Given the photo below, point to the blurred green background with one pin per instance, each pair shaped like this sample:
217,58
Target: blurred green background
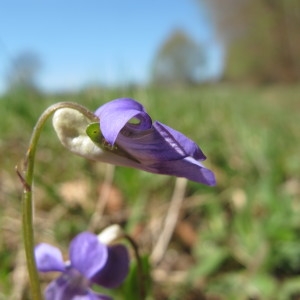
238,240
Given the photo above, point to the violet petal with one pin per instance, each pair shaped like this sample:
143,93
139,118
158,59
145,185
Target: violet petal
63,289
155,147
115,114
163,150
116,268
188,168
179,140
150,145
48,258
87,254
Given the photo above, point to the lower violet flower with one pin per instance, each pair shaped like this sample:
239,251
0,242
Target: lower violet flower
91,262
126,136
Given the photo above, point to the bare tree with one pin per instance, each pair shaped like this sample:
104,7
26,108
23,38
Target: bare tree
178,61
23,72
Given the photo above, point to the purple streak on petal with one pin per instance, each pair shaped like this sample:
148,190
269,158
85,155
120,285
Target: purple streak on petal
48,258
115,114
179,141
148,146
156,145
116,269
63,288
87,254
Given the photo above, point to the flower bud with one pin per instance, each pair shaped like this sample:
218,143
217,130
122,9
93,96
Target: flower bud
111,234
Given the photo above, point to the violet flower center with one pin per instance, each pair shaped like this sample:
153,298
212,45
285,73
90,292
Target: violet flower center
76,280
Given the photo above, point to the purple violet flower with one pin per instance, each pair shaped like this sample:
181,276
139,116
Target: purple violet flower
150,146
91,262
128,137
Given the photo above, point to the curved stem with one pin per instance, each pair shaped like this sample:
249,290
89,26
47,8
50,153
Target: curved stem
26,178
141,274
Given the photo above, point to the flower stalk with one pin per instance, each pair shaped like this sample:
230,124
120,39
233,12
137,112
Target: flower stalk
141,274
26,177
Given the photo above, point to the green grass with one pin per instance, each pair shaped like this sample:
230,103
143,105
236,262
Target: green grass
247,228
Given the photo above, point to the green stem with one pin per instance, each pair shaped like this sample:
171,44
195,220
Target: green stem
26,178
141,274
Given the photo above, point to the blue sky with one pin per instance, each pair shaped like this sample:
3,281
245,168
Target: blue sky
81,42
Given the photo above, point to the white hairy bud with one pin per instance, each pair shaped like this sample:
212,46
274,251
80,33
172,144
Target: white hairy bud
111,234
70,126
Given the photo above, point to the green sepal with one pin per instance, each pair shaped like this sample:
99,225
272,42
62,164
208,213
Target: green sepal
94,133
